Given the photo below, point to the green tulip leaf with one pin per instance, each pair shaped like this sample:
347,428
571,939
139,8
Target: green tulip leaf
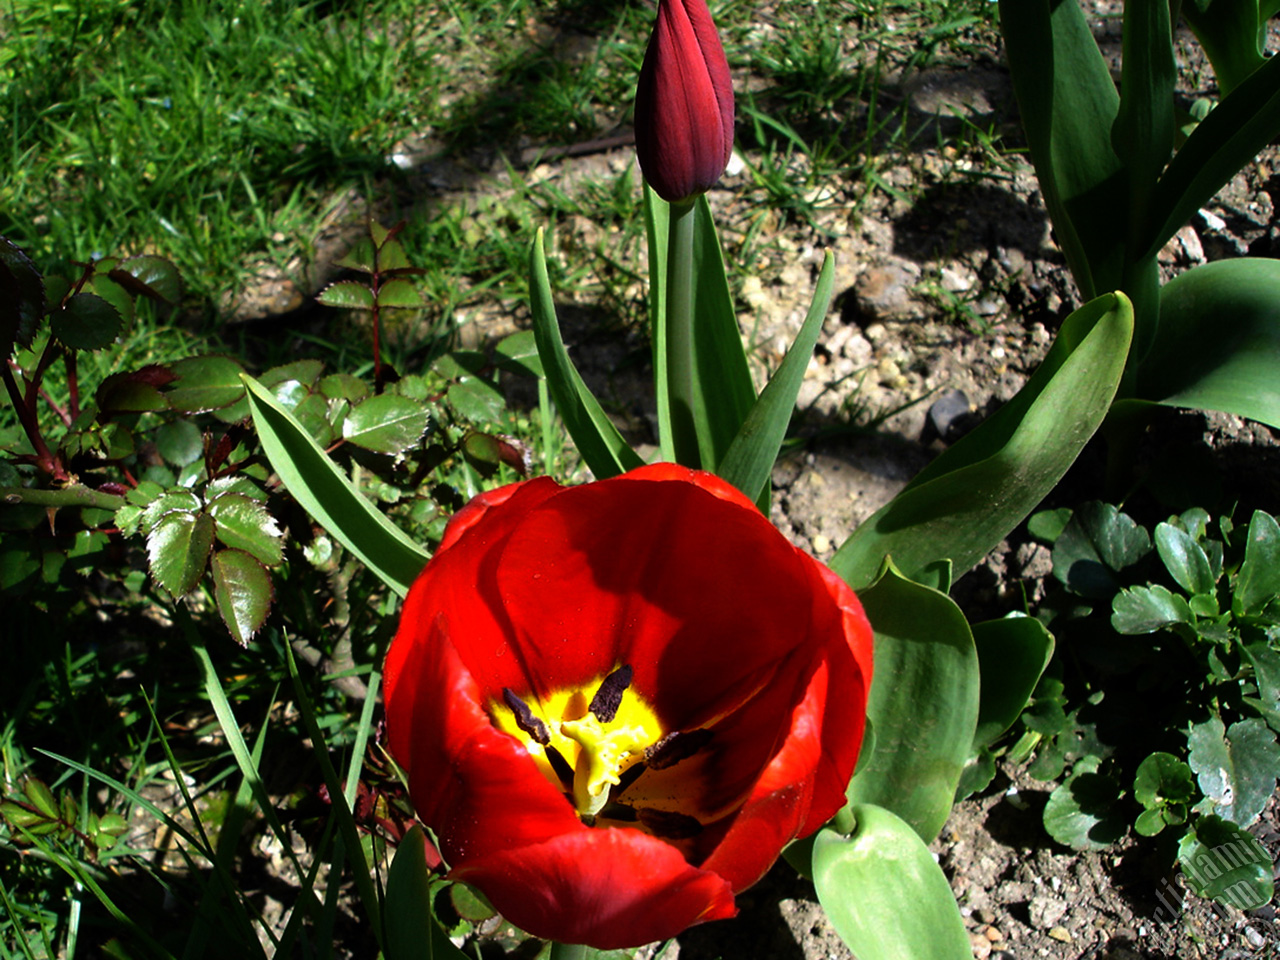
1222,862
1259,578
884,893
748,463
1144,128
969,498
1083,811
386,423
606,453
243,592
178,549
1218,344
1235,767
923,702
1229,31
205,383
411,932
320,487
1012,655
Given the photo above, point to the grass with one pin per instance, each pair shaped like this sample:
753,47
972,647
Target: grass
224,134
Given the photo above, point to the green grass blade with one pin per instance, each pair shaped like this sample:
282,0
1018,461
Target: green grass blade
338,801
316,482
598,440
1020,452
749,461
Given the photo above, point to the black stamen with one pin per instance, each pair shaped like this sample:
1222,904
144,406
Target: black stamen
525,720
668,824
629,776
618,811
675,747
560,765
604,705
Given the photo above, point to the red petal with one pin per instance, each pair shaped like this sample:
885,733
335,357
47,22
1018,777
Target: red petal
608,888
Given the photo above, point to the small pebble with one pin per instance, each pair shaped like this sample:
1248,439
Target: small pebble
1060,933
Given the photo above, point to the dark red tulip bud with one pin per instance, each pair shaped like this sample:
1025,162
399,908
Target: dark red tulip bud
684,103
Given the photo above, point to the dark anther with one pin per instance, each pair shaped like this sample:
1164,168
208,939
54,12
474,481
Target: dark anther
604,705
618,811
675,747
665,823
560,765
629,776
525,720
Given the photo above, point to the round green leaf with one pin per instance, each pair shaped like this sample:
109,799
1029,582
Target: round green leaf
1082,811
242,589
386,423
178,549
244,524
1222,862
205,383
1184,559
87,322
1163,778
180,442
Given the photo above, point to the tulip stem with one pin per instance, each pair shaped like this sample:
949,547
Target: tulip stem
568,951
680,333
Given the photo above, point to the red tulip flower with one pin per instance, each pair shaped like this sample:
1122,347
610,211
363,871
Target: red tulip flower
617,702
684,103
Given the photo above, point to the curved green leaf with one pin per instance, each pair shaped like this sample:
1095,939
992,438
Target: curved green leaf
748,463
1229,31
969,498
322,490
1012,654
598,440
923,702
885,894
1218,343
412,932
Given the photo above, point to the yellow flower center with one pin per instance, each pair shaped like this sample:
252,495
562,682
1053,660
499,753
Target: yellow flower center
584,740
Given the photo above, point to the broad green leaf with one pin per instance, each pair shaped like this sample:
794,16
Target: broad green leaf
386,423
1068,104
319,486
242,589
1184,559
22,299
748,463
1148,609
923,702
969,498
1259,578
412,932
180,442
399,292
597,439
149,276
244,524
1222,862
1221,145
1083,812
1012,655
1236,768
205,383
1098,542
347,295
1218,344
884,893
87,322
178,549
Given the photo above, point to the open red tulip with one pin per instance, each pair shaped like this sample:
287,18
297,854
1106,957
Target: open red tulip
684,103
617,702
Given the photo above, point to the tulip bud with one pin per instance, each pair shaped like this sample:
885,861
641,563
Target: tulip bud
684,103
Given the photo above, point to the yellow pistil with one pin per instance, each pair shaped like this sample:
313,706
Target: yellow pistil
582,740
604,751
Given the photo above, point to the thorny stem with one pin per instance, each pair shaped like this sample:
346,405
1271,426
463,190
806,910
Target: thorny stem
73,386
342,660
77,495
377,339
25,408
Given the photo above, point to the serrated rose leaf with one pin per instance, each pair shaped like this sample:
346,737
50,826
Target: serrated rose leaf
178,549
122,393
242,589
150,276
205,383
347,295
22,298
399,293
244,524
386,424
166,502
87,322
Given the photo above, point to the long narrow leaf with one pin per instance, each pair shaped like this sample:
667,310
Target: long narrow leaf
969,498
1223,143
598,440
657,218
316,482
748,463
